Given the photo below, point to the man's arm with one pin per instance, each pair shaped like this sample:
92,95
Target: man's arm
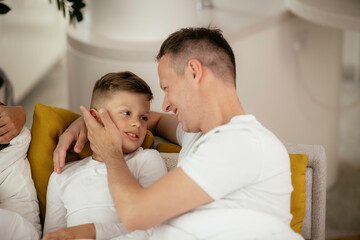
12,120
164,125
173,194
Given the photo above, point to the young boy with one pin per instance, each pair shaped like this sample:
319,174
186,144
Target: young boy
80,194
19,209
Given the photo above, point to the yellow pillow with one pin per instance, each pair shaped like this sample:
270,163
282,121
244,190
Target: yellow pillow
168,147
298,163
48,124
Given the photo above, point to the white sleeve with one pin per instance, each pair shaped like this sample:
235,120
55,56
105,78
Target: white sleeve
55,209
16,150
151,169
106,231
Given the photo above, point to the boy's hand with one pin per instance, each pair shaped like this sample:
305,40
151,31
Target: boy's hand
105,140
76,132
12,120
87,231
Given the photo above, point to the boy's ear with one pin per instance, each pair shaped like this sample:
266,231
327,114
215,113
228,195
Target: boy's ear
95,114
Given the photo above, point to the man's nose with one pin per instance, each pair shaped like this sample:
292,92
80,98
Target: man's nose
166,106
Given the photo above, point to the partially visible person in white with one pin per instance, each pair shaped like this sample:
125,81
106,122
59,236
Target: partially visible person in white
79,204
19,209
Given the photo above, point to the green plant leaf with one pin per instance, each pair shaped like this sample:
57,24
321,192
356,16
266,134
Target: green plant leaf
63,9
59,4
4,8
79,16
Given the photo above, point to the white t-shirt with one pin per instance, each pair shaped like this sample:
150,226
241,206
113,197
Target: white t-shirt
240,165
80,194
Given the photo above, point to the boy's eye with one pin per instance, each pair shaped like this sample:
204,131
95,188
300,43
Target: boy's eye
144,118
126,113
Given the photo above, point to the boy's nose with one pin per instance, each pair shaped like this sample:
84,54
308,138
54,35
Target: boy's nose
135,122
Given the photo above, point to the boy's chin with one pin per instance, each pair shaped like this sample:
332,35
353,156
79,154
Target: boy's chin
130,149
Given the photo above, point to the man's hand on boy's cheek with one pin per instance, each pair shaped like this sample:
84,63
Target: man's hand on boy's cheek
104,139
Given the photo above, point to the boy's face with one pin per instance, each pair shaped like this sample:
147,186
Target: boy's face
130,112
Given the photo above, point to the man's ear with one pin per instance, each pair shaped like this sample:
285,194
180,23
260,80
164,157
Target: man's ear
195,69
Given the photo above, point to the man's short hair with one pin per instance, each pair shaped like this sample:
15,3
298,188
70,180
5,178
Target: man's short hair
205,44
119,81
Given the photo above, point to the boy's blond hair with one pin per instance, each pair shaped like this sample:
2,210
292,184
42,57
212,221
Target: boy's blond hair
120,81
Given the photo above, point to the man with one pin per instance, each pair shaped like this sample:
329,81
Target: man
233,177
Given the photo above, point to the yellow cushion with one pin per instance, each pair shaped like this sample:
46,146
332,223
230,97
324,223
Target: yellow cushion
48,124
298,163
168,148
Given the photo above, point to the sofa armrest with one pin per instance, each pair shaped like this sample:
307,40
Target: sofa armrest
314,219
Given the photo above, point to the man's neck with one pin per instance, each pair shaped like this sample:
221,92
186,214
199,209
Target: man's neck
222,109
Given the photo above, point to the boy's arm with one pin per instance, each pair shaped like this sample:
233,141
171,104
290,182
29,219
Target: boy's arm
161,124
89,231
164,125
85,231
77,133
55,209
12,120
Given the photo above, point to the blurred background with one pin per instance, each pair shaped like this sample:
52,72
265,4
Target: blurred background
298,67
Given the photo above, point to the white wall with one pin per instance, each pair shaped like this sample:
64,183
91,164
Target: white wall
32,41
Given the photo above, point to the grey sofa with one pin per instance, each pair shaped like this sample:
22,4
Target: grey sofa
314,219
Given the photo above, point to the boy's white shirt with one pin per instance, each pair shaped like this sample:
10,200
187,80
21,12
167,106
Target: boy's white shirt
17,190
80,194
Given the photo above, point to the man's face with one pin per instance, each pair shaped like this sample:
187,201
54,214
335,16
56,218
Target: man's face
179,95
130,112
